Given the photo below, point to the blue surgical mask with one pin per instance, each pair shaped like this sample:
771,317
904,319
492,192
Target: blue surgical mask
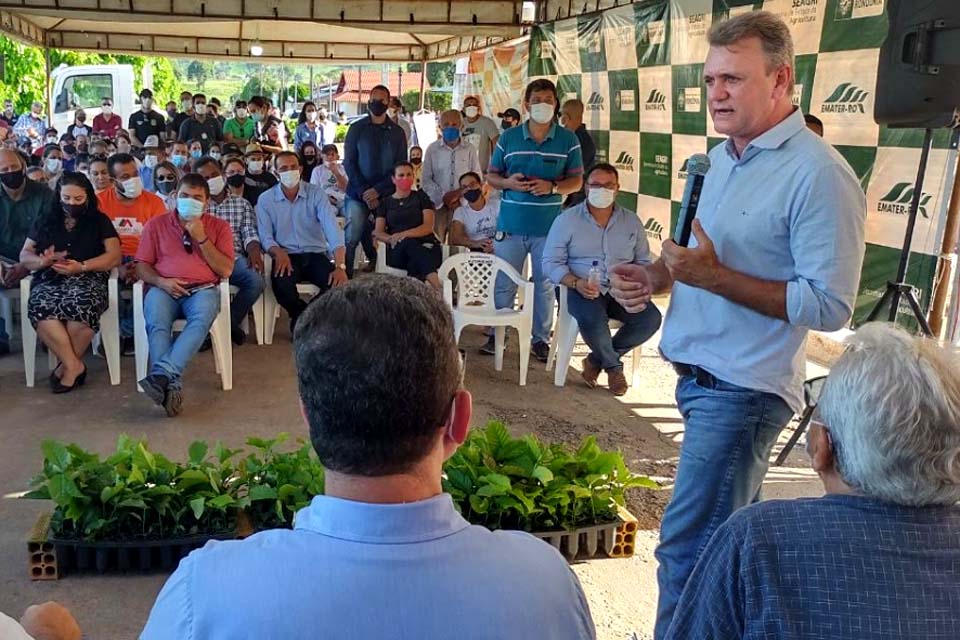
188,208
451,134
195,154
178,159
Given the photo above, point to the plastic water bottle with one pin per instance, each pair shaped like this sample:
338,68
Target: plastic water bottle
593,278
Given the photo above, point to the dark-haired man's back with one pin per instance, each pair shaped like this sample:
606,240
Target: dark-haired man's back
359,570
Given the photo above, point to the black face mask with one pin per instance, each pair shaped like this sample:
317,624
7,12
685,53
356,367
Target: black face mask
13,179
70,150
505,124
416,161
236,180
74,210
309,159
377,107
471,195
166,187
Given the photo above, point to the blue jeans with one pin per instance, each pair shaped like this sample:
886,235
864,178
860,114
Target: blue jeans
514,249
249,284
169,357
357,231
729,432
594,317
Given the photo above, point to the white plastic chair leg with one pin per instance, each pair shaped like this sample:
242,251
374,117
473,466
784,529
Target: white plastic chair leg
635,366
220,332
499,335
567,340
258,315
524,330
140,343
6,312
109,334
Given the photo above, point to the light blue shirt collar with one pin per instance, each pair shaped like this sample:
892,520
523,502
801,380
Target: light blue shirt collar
280,196
772,138
412,522
617,213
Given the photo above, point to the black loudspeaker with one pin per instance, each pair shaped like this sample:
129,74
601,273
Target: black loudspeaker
918,78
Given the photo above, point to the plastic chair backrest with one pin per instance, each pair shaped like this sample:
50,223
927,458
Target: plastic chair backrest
477,278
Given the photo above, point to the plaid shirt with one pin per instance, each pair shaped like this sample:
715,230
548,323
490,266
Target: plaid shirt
243,221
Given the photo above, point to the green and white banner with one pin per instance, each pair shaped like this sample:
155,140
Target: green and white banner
639,71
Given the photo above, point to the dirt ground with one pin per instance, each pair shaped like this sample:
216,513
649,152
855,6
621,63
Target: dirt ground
644,424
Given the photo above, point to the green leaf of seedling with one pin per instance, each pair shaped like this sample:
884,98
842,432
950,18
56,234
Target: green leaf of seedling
132,503
62,488
543,474
490,490
221,502
262,492
143,458
197,452
497,479
197,505
56,454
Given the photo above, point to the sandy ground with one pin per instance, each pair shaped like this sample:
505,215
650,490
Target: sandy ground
644,424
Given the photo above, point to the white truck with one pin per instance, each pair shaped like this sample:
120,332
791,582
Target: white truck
85,86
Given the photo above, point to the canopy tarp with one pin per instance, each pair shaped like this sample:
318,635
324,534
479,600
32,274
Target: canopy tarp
288,30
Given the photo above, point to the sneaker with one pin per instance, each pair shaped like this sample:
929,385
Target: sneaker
128,347
590,372
238,336
173,401
617,382
489,347
540,350
155,386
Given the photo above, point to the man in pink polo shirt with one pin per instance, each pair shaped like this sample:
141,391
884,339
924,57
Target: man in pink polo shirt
182,256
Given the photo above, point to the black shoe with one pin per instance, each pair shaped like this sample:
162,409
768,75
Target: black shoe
489,347
54,378
540,350
207,344
173,401
238,336
59,387
155,386
128,347
4,348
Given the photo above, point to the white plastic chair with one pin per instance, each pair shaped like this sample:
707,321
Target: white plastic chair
565,339
219,335
476,280
382,266
109,334
271,308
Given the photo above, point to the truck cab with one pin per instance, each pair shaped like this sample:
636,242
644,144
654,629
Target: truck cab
85,86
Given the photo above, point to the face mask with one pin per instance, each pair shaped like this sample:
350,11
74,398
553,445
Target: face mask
542,112
416,161
13,179
70,150
150,161
471,111
215,155
471,195
505,124
377,108
178,159
189,209
106,110
216,185
257,116
147,103
195,154
172,113
186,104
236,180
601,198
290,179
451,134
51,139
403,184
311,116
309,159
241,113
53,165
81,119
131,188
74,210
255,166
200,109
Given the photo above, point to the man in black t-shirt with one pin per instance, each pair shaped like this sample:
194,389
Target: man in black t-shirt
259,178
146,122
201,126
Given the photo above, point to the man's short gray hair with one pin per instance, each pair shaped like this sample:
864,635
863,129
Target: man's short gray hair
774,35
892,407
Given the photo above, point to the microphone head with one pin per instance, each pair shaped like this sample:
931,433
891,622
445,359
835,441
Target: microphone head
698,164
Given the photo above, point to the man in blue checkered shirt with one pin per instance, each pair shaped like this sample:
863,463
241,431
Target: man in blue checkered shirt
876,558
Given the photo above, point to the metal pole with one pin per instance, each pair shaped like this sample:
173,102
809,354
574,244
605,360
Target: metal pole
423,82
48,89
948,253
359,89
311,83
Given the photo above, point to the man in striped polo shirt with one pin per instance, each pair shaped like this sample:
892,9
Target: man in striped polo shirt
535,165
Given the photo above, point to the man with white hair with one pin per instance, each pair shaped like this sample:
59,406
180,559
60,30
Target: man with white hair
776,251
879,555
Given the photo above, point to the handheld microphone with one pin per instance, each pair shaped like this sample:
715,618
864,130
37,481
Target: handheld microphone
697,167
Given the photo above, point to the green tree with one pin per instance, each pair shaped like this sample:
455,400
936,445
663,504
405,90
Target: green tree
200,71
254,88
24,74
435,101
440,74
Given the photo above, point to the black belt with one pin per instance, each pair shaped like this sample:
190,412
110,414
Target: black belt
704,377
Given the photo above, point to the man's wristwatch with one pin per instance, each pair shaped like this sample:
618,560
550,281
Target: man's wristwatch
554,190
342,266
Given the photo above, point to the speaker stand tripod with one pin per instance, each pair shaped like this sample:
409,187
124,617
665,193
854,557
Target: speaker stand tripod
900,289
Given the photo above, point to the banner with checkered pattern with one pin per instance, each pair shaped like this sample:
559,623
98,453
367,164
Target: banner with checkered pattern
639,71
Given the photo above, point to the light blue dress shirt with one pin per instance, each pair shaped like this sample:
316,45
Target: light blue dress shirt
576,240
789,208
353,570
306,225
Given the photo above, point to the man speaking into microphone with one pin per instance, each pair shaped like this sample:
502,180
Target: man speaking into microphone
776,251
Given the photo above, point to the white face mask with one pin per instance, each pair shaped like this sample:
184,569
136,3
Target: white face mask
601,198
54,165
542,112
215,155
150,161
200,109
471,111
132,188
241,113
216,185
255,166
106,110
185,105
290,179
311,116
